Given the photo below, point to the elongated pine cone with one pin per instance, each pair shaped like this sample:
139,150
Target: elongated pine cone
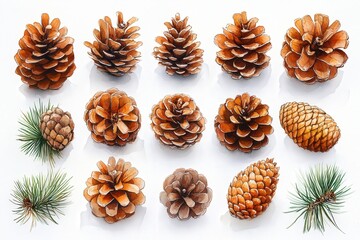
312,51
114,50
57,127
309,126
243,47
243,123
177,121
178,51
114,191
186,194
253,189
112,117
45,58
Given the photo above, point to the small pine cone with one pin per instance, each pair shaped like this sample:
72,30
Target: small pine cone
45,58
114,191
243,48
243,123
309,126
186,194
114,50
311,51
112,117
253,189
177,121
178,51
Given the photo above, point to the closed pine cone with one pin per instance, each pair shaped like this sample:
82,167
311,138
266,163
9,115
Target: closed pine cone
177,121
243,123
186,194
45,58
112,117
312,51
178,51
114,191
243,47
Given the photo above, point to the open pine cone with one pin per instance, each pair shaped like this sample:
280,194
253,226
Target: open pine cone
243,47
114,50
178,51
45,58
312,51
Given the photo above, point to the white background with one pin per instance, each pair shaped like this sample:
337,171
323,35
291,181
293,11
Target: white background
339,97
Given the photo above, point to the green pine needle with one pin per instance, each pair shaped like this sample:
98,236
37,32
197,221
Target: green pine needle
40,198
320,195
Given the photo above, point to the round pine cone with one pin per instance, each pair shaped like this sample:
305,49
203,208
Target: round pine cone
114,191
45,58
177,121
243,123
112,117
311,51
114,50
178,51
243,47
186,194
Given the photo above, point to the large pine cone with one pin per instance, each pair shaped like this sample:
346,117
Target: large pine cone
309,126
243,47
178,51
112,117
114,191
253,189
186,194
243,123
177,121
311,51
45,58
114,50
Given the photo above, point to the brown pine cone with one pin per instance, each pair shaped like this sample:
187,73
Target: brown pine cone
114,50
45,58
311,51
243,47
177,121
112,117
186,194
243,123
178,51
114,191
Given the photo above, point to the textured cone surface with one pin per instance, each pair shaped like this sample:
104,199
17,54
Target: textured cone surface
112,117
114,191
114,50
253,189
45,58
178,51
177,121
186,194
312,49
309,127
243,123
57,127
243,47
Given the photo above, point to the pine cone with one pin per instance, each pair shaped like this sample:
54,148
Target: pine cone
186,194
112,117
311,51
114,191
243,47
177,121
243,123
253,189
309,126
178,51
114,50
45,58
57,127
